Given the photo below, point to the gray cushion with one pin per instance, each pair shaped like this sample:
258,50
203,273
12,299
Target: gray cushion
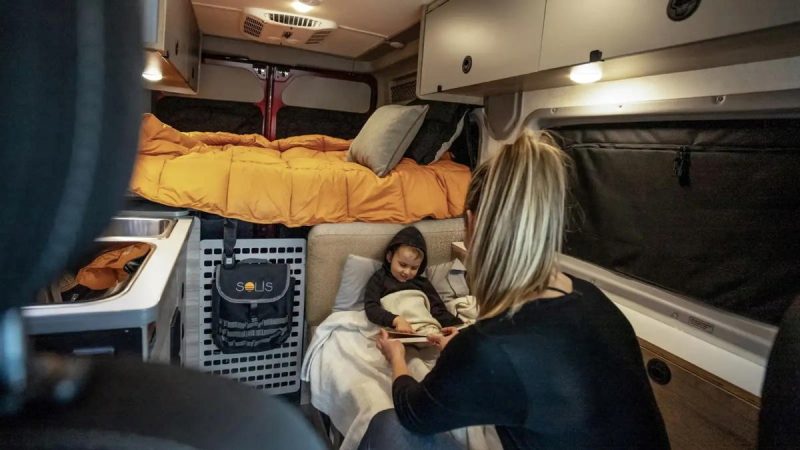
355,274
385,137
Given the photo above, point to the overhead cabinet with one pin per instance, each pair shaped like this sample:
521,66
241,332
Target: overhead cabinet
476,47
172,43
465,42
573,28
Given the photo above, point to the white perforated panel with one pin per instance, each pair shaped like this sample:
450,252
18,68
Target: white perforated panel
275,371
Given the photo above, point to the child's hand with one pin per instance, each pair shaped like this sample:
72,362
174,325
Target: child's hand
392,350
440,341
400,324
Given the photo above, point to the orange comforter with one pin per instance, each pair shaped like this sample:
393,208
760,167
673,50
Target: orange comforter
302,180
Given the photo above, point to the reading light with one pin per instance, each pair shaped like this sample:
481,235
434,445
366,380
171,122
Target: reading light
394,44
586,73
589,72
301,7
152,75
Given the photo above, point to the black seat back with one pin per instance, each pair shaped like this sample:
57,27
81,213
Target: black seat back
779,421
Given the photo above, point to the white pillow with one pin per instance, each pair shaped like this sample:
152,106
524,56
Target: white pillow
449,279
385,137
356,272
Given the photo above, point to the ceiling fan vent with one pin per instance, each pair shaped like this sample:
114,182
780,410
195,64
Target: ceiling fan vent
277,27
294,21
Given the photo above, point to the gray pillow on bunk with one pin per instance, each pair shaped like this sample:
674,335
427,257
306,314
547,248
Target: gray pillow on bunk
356,273
385,137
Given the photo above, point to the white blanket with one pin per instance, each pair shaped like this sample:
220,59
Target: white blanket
351,381
414,306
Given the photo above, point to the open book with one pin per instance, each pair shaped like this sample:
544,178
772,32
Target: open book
413,338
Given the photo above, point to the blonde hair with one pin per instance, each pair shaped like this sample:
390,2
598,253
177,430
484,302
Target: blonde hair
518,201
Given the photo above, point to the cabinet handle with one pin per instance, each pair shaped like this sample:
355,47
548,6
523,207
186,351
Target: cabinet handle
177,47
678,10
659,371
466,64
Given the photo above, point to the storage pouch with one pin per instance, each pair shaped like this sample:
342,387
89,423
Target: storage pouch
252,304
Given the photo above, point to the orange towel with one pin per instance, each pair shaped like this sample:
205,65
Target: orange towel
106,270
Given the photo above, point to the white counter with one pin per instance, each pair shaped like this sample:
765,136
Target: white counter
135,307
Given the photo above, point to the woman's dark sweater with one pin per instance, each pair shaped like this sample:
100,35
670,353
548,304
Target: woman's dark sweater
564,372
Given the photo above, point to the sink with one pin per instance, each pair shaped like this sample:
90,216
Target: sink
51,295
141,227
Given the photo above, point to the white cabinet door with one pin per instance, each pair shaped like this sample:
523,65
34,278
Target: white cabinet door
182,40
573,28
172,42
502,38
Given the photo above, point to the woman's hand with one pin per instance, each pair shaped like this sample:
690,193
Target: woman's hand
394,351
440,341
400,324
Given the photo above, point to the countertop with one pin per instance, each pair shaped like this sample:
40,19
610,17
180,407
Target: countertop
140,207
135,307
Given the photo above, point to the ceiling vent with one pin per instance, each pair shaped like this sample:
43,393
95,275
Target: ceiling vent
293,20
275,27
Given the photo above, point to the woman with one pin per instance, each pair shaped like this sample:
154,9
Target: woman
551,361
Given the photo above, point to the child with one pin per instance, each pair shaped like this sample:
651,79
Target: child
405,261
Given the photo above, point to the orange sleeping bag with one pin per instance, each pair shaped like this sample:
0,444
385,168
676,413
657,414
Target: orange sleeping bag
296,181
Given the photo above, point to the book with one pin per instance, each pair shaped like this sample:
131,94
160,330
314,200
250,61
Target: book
407,338
413,338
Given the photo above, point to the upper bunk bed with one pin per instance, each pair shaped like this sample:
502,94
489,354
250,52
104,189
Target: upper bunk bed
302,180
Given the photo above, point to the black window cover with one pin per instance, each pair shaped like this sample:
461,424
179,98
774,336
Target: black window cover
725,231
195,114
296,121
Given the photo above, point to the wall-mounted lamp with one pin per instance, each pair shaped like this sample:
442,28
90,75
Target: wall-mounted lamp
589,72
394,44
152,74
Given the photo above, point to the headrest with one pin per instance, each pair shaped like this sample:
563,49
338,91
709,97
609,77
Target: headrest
70,107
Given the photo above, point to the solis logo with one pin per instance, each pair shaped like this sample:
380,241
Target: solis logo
250,286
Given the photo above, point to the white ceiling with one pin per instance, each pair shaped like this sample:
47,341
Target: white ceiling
381,17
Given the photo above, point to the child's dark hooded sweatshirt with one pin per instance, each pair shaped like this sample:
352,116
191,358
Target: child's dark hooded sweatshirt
383,283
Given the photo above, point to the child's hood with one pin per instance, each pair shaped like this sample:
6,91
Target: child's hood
412,237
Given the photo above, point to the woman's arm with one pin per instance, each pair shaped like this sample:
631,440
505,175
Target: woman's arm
394,352
473,383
